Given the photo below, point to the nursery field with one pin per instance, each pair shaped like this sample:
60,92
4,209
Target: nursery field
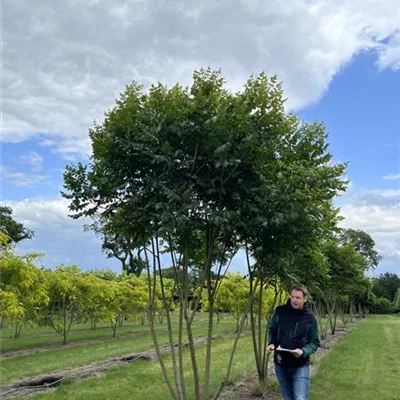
364,364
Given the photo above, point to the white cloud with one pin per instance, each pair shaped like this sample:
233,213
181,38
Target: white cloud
389,55
61,238
63,65
33,159
21,179
379,215
392,177
386,193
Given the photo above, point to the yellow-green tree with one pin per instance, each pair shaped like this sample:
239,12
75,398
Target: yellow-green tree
23,288
97,293
232,296
10,308
67,293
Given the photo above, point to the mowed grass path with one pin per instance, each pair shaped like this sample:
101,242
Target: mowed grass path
364,365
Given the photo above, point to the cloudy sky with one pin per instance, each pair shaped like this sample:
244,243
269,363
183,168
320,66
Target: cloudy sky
64,63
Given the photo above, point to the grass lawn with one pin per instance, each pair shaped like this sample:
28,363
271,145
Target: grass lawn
63,358
44,336
144,380
364,365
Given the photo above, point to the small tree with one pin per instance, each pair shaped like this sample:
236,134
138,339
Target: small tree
10,308
23,289
97,293
232,297
67,292
346,274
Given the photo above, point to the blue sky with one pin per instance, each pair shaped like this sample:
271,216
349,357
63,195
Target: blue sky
361,111
339,67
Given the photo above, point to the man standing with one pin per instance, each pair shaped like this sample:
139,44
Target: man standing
294,328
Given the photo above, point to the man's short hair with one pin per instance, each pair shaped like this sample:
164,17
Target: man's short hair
300,288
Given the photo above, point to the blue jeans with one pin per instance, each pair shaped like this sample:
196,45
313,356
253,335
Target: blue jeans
294,382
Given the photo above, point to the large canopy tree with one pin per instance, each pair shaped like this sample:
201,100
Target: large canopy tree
197,173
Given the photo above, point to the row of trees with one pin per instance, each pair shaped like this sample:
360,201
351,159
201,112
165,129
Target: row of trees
64,296
186,178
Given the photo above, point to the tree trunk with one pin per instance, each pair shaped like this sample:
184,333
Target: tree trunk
151,283
230,362
332,316
351,311
323,328
266,336
157,263
253,332
333,325
259,317
115,324
65,321
360,310
144,318
207,373
17,332
210,240
160,317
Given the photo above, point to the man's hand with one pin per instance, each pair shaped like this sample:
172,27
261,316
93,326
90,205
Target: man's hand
271,348
298,353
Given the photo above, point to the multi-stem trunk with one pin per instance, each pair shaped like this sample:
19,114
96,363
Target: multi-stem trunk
157,263
151,281
252,319
230,361
182,284
260,346
332,316
207,372
210,239
270,312
318,310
